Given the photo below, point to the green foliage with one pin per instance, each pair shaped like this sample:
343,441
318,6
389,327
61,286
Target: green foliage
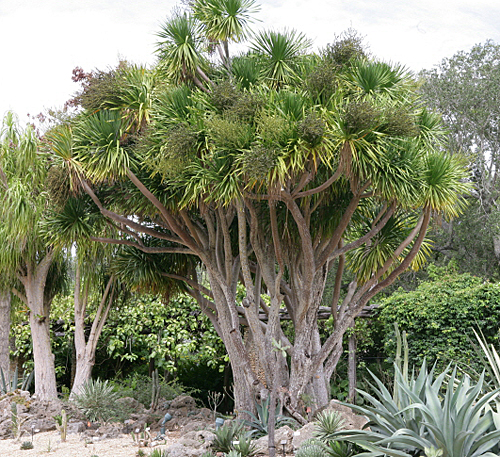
327,423
26,445
346,47
172,335
312,448
432,413
158,453
463,89
15,383
225,436
259,423
97,400
438,317
245,446
140,388
233,453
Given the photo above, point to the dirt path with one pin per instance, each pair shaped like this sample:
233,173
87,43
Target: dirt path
49,444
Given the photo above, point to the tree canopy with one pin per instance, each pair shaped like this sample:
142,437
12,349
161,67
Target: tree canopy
268,172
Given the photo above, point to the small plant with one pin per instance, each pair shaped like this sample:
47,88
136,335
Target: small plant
155,390
233,453
26,445
62,424
214,400
16,422
259,423
312,448
207,454
159,453
97,400
15,383
245,447
140,453
328,422
225,436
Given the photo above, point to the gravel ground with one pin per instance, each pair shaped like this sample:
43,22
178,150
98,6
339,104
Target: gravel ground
49,444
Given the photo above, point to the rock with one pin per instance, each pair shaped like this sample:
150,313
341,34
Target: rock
76,426
205,437
183,401
352,421
109,431
179,450
303,434
284,433
193,426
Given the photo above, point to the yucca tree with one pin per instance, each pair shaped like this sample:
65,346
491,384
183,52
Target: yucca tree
71,226
268,185
27,259
179,51
223,21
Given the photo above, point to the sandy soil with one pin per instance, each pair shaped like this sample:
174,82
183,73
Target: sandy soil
49,444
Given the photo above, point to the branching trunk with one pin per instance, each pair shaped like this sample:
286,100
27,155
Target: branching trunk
85,350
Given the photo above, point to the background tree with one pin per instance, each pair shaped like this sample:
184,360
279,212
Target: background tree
465,88
25,255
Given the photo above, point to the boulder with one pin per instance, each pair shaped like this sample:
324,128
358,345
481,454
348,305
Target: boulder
281,434
76,426
352,421
178,449
303,434
183,401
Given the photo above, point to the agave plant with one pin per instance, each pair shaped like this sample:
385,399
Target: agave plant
97,400
15,383
456,423
225,436
259,424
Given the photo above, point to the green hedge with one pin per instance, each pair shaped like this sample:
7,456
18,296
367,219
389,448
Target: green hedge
439,316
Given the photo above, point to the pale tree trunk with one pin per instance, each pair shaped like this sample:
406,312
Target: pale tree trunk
39,318
352,366
85,350
5,303
45,374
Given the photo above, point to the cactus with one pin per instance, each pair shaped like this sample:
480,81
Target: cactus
398,362
62,424
155,390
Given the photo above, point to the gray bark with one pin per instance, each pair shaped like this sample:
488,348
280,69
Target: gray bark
39,318
5,304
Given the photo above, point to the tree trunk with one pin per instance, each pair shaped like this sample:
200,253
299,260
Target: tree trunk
84,366
45,374
39,317
351,375
85,349
5,301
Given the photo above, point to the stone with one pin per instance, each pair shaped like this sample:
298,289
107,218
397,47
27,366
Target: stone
352,421
284,433
303,434
179,450
76,427
183,401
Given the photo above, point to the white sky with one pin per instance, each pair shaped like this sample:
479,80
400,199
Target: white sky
41,41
